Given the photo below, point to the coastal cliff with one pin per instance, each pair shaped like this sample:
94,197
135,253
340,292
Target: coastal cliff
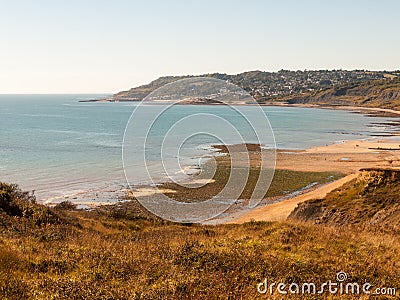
377,93
372,199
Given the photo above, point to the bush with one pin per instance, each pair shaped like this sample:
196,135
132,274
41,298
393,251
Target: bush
11,198
16,203
65,205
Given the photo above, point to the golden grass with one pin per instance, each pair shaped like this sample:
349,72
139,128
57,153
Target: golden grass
122,253
105,258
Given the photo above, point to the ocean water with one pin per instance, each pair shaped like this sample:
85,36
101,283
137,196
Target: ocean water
60,147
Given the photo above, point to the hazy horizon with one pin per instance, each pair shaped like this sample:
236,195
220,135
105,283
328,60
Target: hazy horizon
103,47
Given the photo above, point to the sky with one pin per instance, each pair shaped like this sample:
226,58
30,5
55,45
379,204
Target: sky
105,46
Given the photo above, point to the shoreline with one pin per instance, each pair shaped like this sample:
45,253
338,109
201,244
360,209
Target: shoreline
377,111
319,158
345,157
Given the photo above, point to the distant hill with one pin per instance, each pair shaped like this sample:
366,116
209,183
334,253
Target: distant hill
271,84
323,87
372,199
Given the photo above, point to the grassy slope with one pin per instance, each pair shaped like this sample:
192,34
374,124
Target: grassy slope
109,259
371,199
91,255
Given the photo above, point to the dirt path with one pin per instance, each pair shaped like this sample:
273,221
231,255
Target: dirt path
281,210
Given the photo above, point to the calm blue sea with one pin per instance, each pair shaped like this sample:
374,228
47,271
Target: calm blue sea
58,146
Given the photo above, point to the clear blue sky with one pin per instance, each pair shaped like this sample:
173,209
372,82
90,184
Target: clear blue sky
57,46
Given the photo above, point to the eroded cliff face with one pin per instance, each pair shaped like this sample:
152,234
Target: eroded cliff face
373,198
380,93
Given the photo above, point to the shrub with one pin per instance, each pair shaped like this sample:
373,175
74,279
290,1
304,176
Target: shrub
65,205
16,203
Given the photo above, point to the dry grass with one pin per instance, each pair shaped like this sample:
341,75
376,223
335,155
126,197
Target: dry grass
103,255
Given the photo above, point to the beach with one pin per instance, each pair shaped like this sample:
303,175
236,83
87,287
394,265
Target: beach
303,174
66,150
300,175
347,158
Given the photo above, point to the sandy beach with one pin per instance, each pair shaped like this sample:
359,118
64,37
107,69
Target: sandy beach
347,157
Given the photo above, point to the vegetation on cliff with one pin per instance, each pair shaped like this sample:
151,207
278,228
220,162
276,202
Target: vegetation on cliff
378,93
18,207
371,200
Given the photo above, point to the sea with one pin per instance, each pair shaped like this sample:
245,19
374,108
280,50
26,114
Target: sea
62,148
